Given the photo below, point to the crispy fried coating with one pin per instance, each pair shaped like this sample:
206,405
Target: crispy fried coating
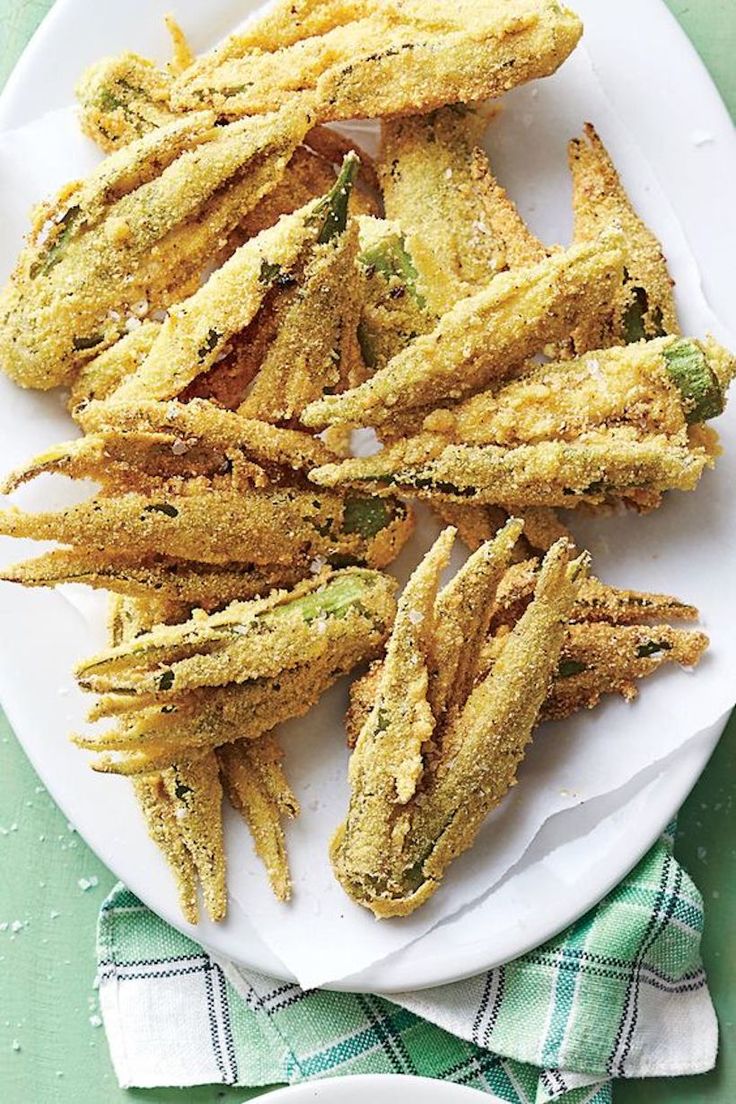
448,238
553,473
309,175
333,146
132,446
163,500
306,260
156,730
182,806
644,306
393,313
596,601
159,814
600,659
316,348
622,423
122,98
100,377
195,792
133,237
609,644
380,57
218,430
247,640
422,778
208,586
461,227
477,524
159,725
223,525
183,55
481,338
182,800
256,786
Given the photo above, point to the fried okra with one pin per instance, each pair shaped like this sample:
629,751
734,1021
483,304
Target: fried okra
177,691
439,748
182,803
134,237
300,271
480,339
393,311
197,504
610,644
622,424
461,228
644,307
123,98
374,58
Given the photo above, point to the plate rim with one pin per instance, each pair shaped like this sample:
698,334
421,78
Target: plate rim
375,977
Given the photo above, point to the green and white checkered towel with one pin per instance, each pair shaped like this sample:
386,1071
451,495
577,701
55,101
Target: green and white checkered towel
622,993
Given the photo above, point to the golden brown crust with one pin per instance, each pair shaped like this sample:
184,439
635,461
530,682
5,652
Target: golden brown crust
480,338
435,752
379,57
645,304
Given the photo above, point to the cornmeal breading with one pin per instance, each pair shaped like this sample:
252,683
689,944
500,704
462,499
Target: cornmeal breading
134,237
618,424
371,58
481,338
436,754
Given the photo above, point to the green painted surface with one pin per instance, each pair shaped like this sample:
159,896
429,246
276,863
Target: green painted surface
52,1048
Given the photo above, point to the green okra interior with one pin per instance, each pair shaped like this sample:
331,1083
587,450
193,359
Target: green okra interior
391,258
698,384
332,209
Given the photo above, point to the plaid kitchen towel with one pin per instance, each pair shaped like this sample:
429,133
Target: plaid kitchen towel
622,993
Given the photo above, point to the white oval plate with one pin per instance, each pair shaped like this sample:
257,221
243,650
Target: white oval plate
388,1088
570,866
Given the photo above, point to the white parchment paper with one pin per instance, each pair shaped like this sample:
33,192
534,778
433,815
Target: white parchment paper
683,548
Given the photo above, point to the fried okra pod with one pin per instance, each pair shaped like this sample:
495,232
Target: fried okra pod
134,237
434,756
393,312
221,525
255,785
380,57
609,644
480,339
182,806
122,98
644,307
301,269
300,643
182,803
190,484
207,586
461,228
620,424
247,640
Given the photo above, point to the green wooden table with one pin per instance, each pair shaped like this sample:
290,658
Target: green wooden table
52,1045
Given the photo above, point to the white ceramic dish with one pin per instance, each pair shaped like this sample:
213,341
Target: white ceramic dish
692,149
388,1088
